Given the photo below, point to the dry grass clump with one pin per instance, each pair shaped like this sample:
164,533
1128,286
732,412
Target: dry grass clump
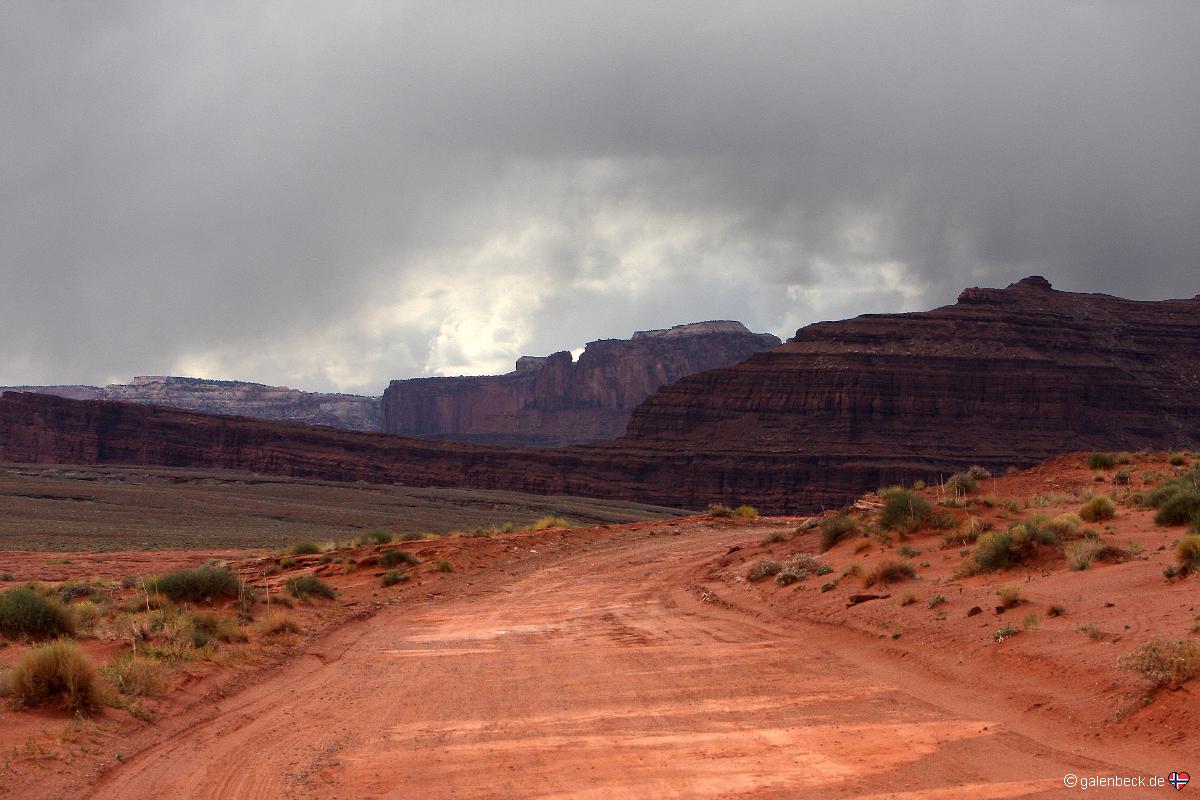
1009,595
1004,549
1081,554
305,586
207,626
836,528
763,569
1064,526
1168,664
747,512
197,585
798,568
1187,553
26,613
890,571
903,510
376,536
720,510
58,671
545,523
277,623
1098,509
1101,461
136,677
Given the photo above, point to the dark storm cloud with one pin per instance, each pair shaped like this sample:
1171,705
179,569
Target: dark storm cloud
331,195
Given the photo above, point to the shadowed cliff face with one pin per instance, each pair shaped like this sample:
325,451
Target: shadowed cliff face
1003,377
555,401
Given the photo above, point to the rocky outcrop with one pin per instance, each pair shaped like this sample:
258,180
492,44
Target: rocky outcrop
554,400
347,411
1002,378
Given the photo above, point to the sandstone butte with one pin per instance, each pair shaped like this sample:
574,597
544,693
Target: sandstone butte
1004,377
555,400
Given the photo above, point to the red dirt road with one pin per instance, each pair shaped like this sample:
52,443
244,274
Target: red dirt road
596,673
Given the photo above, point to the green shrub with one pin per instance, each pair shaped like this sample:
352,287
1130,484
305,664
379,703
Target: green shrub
392,577
824,569
1179,508
303,586
763,569
961,483
1099,508
196,585
56,671
904,511
836,528
394,558
307,548
827,587
749,512
1168,664
891,571
1004,549
936,601
942,520
1101,461
25,612
1187,553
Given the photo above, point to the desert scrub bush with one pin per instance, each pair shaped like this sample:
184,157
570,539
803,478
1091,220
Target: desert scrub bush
394,558
376,536
961,483
1101,461
904,511
942,520
1031,621
1081,554
908,552
748,512
1006,632
1092,631
24,612
58,671
1056,610
1098,509
1168,664
774,538
411,536
307,548
211,626
1187,553
890,571
979,473
824,569
304,586
271,569
392,577
1177,459
1179,508
196,585
720,510
1064,526
73,589
547,522
1009,595
828,587
276,624
935,601
800,567
444,566
1004,549
136,677
1123,477
763,569
836,528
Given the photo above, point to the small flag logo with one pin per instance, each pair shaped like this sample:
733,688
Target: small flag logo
1179,780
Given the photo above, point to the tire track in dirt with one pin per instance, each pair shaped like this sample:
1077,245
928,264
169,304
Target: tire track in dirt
599,675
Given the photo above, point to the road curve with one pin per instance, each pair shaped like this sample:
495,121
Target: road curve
599,675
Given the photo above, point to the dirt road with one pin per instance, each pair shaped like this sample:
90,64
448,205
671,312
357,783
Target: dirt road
599,674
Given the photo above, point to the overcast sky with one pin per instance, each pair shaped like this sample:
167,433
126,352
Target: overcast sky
329,195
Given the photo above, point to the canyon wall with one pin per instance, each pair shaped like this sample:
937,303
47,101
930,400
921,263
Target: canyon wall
554,400
239,398
1004,377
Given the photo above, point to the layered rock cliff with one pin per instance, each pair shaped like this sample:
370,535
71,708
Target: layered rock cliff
347,411
554,400
1003,378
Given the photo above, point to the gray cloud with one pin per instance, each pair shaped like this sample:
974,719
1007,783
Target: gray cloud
331,195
